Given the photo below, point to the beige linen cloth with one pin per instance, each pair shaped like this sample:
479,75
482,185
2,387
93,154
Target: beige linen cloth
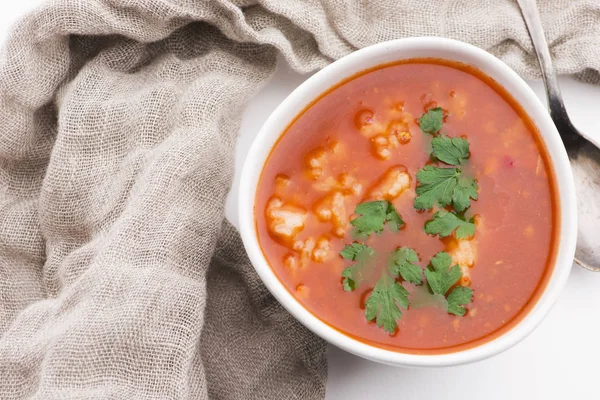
119,277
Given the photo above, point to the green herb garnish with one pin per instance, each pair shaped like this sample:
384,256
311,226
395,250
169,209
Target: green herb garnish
435,186
353,275
440,273
374,215
452,151
432,120
384,303
402,263
351,251
441,276
466,189
458,297
444,186
444,223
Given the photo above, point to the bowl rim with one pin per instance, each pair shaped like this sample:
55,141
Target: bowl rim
348,66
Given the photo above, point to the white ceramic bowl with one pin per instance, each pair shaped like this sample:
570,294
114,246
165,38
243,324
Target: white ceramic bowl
370,57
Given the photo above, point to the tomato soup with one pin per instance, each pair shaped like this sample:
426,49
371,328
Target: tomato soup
411,207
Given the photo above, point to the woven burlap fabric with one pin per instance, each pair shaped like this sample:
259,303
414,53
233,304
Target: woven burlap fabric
118,276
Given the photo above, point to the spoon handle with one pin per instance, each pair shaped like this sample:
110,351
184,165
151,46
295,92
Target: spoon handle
556,105
533,21
583,150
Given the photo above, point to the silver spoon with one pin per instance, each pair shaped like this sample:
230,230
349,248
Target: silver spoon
582,149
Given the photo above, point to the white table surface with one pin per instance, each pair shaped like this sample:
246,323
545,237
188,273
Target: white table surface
559,360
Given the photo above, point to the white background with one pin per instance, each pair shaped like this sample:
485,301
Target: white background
561,359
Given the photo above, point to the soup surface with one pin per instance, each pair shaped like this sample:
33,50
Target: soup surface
385,273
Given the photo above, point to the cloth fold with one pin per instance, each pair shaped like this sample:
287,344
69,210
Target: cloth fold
119,277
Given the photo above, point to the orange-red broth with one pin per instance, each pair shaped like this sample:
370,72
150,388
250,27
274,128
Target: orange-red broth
513,244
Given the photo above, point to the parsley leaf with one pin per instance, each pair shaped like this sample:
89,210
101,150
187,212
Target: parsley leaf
393,219
353,275
372,218
352,250
402,263
445,186
384,303
432,120
464,192
374,215
440,276
458,297
452,151
435,184
444,223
